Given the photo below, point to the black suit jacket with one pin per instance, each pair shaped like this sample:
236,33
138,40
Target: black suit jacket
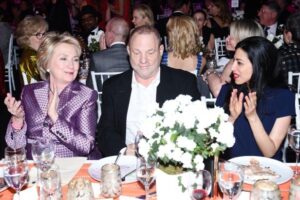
113,59
115,101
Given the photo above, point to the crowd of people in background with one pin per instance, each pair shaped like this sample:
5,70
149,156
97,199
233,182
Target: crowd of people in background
125,36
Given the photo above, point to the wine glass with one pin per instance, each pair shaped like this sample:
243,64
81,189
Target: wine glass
43,153
50,183
202,187
230,179
16,175
294,142
14,156
137,140
145,172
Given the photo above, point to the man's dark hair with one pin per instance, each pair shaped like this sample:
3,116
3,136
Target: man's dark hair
88,10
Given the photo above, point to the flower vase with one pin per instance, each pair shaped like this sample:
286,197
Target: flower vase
211,165
167,186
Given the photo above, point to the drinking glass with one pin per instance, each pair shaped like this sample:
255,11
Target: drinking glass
230,179
50,183
14,156
111,181
202,187
265,189
294,142
43,153
145,172
16,175
137,140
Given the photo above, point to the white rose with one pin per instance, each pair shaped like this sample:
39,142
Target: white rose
226,134
198,160
186,143
186,160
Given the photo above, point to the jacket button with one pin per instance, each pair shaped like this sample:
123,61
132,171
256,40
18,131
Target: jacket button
45,124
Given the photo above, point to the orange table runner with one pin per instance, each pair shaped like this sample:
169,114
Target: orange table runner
135,189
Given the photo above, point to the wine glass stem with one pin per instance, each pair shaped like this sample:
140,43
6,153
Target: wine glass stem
297,160
147,188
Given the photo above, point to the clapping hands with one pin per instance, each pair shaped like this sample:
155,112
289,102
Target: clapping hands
236,105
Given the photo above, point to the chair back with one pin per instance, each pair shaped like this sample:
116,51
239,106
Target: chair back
100,77
220,48
210,102
293,81
25,79
9,76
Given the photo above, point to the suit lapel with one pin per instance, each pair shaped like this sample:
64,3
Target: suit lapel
69,96
163,86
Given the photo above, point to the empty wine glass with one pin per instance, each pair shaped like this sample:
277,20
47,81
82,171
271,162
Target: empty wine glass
202,187
14,156
230,179
43,153
294,142
145,172
16,175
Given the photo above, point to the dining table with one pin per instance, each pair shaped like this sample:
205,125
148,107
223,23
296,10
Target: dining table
136,189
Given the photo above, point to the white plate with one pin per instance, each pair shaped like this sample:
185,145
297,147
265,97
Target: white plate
127,164
280,168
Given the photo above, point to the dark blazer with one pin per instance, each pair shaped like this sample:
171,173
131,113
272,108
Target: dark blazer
113,59
74,130
115,101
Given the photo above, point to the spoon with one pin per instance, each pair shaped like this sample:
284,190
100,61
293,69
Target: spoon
122,151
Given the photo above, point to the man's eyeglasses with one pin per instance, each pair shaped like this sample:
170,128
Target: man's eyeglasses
40,35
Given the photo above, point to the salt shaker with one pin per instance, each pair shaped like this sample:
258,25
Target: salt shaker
265,189
111,181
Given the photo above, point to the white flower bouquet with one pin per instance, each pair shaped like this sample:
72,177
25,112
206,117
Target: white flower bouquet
276,40
182,133
93,41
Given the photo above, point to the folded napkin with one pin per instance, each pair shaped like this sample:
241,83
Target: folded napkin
69,167
244,195
30,193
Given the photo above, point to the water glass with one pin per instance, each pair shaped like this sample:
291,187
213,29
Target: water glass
43,153
80,189
265,189
16,175
295,188
202,186
111,181
13,156
230,179
294,142
50,183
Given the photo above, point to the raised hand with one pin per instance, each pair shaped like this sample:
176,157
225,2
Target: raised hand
250,105
14,106
53,104
235,105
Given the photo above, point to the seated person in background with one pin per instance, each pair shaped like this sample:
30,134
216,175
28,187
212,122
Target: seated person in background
59,108
289,53
127,96
239,30
142,15
259,107
205,33
115,58
30,34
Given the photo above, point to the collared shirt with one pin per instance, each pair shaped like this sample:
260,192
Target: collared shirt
140,99
272,29
117,43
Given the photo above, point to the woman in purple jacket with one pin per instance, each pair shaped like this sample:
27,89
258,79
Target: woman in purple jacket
59,108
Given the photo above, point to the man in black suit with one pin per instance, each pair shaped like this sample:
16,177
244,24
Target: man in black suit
180,7
115,58
127,96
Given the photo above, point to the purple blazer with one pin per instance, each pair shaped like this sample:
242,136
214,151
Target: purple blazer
74,130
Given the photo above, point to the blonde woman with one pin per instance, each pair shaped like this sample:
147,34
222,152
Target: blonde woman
30,34
184,51
142,15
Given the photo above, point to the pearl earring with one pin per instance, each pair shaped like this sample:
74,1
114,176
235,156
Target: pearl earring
48,70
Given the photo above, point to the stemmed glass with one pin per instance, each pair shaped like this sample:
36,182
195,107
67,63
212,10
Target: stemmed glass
16,175
230,179
14,156
294,142
202,187
145,173
137,140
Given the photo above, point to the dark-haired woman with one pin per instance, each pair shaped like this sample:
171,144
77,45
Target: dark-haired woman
260,110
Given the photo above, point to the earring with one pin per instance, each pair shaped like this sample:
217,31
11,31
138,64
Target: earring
48,70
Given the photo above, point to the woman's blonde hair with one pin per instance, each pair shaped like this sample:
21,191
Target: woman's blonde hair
46,49
29,26
183,36
245,28
146,13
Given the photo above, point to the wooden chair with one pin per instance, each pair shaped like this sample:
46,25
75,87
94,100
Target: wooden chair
100,77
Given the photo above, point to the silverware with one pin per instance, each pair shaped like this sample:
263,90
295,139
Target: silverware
124,177
122,151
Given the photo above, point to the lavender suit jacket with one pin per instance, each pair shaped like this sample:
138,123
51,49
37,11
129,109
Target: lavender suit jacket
74,130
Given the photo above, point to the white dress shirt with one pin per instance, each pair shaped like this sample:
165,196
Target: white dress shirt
140,99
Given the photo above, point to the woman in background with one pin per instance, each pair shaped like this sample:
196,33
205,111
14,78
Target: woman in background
60,108
142,15
258,105
239,30
30,34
